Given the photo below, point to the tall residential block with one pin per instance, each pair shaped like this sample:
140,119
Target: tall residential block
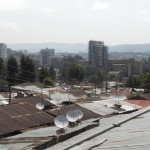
97,56
3,51
46,56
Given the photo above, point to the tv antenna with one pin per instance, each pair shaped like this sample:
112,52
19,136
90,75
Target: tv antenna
57,105
105,96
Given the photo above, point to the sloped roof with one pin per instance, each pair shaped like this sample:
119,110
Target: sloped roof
17,117
121,132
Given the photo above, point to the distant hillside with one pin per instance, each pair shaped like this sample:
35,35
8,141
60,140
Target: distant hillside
130,48
75,48
59,47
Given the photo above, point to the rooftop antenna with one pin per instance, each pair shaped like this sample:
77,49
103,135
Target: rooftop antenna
89,93
61,122
49,93
105,96
67,88
117,98
40,105
57,106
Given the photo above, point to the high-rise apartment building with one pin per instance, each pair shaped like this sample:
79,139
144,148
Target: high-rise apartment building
46,56
98,55
3,51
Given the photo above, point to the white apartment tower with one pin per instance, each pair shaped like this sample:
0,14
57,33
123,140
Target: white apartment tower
46,57
98,55
3,51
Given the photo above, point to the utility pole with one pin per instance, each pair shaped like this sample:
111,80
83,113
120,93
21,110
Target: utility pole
95,89
49,93
106,87
42,95
9,93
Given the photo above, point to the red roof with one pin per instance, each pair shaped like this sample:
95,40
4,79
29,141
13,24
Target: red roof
143,103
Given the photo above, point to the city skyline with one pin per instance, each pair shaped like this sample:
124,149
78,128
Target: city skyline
68,21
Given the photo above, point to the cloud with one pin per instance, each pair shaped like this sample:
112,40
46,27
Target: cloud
100,6
48,11
146,15
11,5
10,26
147,19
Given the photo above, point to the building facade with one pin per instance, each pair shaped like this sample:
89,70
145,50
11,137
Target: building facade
57,62
97,56
3,51
46,56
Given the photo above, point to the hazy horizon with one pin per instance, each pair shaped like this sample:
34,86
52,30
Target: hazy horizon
75,21
77,43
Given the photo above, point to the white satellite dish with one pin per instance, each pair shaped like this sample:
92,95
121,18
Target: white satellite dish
72,116
89,91
118,97
61,121
79,113
40,106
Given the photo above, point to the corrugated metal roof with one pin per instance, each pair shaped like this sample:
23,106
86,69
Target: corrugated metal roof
122,130
30,138
64,109
106,107
134,134
33,100
16,117
61,97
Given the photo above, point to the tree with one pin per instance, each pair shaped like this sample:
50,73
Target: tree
52,73
27,69
42,74
12,70
64,75
48,81
75,72
100,78
77,57
97,78
3,85
129,82
3,71
133,82
146,81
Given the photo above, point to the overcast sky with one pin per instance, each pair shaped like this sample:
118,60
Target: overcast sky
75,21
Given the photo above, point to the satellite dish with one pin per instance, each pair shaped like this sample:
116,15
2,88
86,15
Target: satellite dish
79,113
72,116
61,121
118,97
89,91
40,106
